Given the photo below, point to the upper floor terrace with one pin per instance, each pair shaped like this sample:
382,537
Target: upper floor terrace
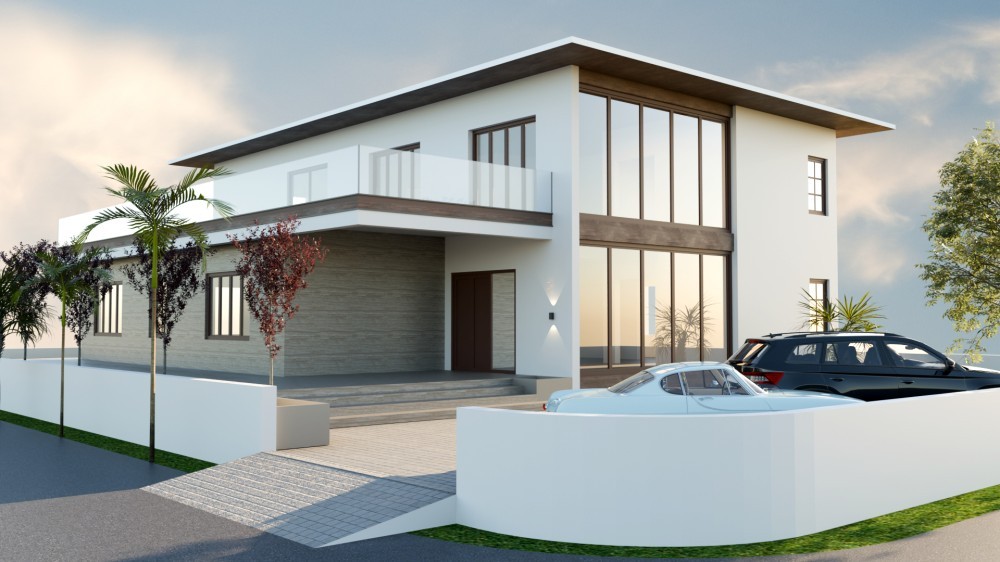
369,188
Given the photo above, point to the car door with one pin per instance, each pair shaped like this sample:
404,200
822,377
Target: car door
922,370
856,367
709,393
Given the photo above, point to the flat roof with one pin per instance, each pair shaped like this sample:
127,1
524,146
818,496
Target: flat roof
566,52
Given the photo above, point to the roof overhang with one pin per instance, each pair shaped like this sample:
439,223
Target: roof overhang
567,52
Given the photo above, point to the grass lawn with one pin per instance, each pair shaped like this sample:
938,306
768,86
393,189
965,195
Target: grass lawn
890,527
164,458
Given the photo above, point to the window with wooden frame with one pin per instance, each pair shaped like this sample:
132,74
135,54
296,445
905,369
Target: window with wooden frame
816,178
225,317
108,320
508,144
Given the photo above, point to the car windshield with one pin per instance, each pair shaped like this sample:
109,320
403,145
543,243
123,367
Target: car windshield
739,385
631,383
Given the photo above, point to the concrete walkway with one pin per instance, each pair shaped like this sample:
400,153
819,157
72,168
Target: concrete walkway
369,482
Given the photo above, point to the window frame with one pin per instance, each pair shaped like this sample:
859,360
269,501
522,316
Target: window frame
824,284
209,302
811,181
506,127
119,317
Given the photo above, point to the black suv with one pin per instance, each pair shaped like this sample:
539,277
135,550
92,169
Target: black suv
869,366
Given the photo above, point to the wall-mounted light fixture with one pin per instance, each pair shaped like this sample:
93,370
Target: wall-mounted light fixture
552,316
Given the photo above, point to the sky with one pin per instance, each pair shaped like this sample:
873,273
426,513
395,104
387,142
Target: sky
87,84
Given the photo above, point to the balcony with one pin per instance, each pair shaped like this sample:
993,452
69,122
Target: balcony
369,179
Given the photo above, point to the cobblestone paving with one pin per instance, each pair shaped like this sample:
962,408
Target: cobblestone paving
366,476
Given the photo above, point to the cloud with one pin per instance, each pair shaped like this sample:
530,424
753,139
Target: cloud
76,97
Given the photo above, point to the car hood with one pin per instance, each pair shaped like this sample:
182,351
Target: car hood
981,370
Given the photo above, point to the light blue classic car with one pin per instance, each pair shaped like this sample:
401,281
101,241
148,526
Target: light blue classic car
687,388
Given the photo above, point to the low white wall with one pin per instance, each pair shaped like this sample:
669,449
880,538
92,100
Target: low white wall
217,421
718,479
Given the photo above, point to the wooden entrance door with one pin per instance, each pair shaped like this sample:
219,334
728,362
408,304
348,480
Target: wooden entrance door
472,321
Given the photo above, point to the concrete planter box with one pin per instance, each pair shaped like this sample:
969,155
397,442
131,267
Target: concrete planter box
301,423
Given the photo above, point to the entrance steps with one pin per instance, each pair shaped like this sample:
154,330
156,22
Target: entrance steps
378,404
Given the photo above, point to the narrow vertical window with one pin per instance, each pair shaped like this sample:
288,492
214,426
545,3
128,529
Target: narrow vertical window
594,154
505,152
820,296
593,307
109,312
816,174
225,306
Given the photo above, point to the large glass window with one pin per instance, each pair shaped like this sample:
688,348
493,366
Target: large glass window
593,307
225,306
663,166
510,148
593,154
396,172
660,307
109,312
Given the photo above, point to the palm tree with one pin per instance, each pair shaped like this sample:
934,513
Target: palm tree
69,274
853,315
149,210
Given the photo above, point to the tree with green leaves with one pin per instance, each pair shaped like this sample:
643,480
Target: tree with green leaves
70,274
150,211
10,295
963,267
846,314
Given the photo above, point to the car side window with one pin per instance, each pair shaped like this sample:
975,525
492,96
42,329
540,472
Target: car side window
672,384
734,386
704,383
851,353
806,354
908,354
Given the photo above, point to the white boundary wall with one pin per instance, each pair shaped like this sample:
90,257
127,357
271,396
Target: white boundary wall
719,479
217,421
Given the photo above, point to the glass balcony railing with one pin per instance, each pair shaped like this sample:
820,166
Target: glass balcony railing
399,174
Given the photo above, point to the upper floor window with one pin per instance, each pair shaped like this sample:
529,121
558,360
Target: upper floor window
508,144
109,312
644,162
225,306
816,174
396,172
307,184
819,294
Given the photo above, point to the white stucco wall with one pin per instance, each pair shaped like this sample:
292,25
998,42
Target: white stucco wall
717,479
779,245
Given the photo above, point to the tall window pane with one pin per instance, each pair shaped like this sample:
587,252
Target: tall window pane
713,307
625,285
624,159
685,169
656,164
593,307
593,154
656,326
687,307
712,174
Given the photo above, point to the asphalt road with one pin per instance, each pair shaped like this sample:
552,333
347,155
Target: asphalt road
61,500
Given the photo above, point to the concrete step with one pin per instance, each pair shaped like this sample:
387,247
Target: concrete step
361,390
421,396
424,411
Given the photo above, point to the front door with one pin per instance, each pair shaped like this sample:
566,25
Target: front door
482,321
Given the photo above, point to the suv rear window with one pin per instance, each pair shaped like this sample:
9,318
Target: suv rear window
748,352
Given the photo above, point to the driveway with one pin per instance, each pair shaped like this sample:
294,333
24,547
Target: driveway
61,500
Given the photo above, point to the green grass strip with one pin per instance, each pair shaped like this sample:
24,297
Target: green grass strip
885,528
141,452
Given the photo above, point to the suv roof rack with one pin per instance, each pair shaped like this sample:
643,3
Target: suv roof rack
829,333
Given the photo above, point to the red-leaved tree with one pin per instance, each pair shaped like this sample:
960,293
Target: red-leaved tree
274,263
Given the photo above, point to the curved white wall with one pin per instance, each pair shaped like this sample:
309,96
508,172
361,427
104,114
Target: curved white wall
719,479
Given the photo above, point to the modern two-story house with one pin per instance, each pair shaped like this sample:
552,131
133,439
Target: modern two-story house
572,210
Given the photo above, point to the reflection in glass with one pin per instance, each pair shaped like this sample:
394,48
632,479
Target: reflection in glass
713,308
624,159
656,326
687,315
593,307
685,169
626,344
712,174
656,164
593,154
